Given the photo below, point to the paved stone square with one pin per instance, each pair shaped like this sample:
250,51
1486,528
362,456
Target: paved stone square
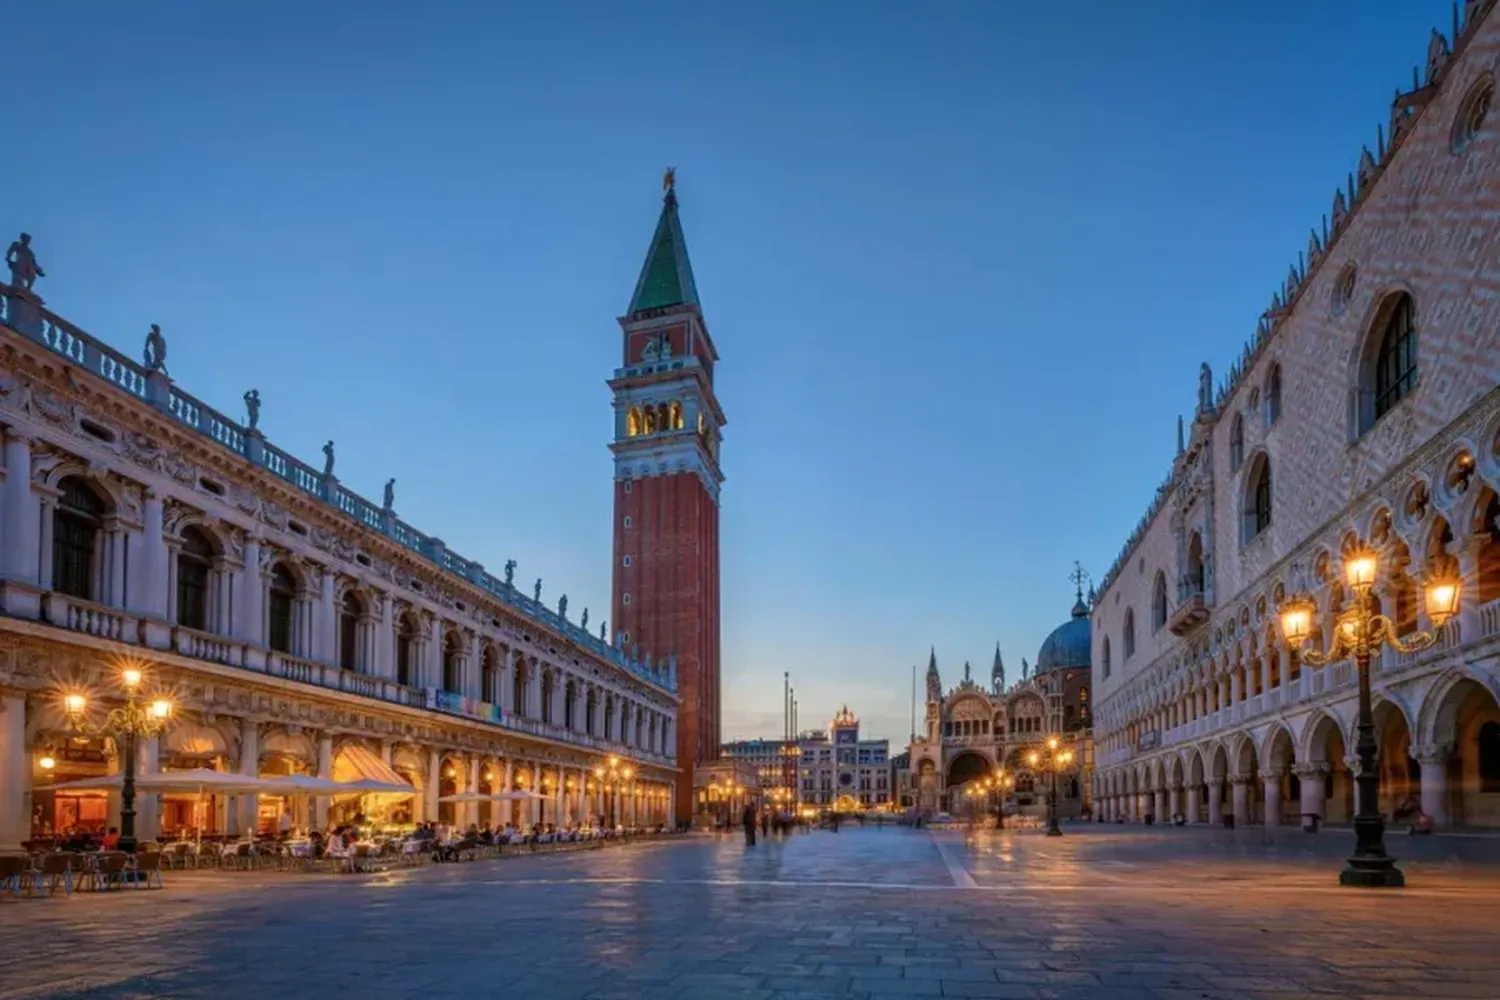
1103,912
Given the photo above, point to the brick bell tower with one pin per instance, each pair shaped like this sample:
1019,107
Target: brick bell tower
667,479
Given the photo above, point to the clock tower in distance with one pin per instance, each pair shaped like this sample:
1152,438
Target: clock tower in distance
667,480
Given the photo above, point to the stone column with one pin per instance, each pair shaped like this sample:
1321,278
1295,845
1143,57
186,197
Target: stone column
433,785
1215,802
325,770
1272,787
15,763
537,816
22,536
1241,793
1160,806
1190,810
147,805
471,809
252,620
1312,776
327,648
249,805
508,807
507,694
1468,610
432,670
1433,759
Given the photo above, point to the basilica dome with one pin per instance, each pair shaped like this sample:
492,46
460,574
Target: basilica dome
1070,645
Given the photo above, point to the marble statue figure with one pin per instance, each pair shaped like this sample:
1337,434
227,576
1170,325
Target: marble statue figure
510,572
155,354
583,622
252,408
328,459
390,493
24,270
536,592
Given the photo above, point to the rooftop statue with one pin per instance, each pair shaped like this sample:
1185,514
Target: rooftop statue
1205,389
510,572
252,408
603,631
390,493
155,354
536,592
562,607
24,270
583,622
328,459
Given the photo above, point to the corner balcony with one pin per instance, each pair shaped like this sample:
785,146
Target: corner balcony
1192,611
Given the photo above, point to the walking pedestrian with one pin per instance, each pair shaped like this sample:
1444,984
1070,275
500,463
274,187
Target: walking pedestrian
747,819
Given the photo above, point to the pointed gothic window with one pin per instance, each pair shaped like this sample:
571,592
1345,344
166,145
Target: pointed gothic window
1273,396
1129,636
1396,362
1257,516
1236,443
1159,601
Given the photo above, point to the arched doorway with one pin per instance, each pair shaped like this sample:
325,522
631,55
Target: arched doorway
1467,718
969,765
1325,745
1400,776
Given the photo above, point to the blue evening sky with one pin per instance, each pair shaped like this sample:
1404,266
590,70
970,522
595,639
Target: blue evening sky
961,259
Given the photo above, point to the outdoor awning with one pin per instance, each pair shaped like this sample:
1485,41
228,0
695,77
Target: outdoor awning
355,763
199,781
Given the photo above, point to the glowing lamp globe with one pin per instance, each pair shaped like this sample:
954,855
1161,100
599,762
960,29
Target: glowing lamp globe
1296,621
1442,599
1360,567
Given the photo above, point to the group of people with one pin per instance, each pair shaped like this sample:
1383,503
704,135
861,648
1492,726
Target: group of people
770,821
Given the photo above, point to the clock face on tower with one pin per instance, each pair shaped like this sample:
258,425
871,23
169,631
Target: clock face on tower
846,779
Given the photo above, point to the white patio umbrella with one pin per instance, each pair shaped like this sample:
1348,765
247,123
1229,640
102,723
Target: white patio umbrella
293,784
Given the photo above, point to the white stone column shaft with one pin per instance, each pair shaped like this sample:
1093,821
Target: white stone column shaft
15,769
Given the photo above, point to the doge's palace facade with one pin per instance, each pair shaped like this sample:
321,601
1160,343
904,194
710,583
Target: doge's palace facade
1365,408
299,627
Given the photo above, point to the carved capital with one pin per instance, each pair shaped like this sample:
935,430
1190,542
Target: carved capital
1312,769
1432,754
1241,779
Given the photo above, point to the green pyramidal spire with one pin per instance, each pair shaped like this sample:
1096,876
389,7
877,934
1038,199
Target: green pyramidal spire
667,278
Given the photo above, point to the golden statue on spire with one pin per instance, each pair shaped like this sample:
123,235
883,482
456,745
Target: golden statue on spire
669,180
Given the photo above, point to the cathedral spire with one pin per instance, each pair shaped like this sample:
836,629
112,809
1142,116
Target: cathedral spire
667,276
997,672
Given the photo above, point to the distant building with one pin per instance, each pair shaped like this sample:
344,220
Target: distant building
903,792
833,769
972,732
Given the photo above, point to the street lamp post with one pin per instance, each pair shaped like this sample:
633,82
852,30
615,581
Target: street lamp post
141,717
612,776
1053,760
1358,633
997,784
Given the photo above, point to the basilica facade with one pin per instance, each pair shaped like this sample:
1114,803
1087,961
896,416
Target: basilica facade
972,730
295,626
1364,413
